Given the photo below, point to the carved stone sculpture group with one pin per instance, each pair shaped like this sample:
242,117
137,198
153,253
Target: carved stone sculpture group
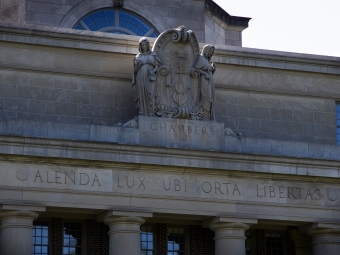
174,79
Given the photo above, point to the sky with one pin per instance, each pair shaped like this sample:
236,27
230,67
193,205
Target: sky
303,26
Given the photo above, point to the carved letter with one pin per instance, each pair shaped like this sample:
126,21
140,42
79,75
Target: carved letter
161,127
317,194
272,191
127,182
177,185
169,185
38,176
281,192
153,126
211,131
57,177
72,180
236,188
197,130
290,192
257,190
180,128
210,187
119,183
227,187
47,178
88,179
95,179
189,130
172,129
204,131
309,194
141,182
218,187
299,189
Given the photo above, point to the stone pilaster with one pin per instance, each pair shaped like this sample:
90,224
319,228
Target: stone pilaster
16,228
124,231
230,234
325,238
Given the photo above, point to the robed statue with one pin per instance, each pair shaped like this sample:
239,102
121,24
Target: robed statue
174,79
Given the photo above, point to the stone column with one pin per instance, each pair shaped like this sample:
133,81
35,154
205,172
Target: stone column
230,234
124,231
16,228
325,238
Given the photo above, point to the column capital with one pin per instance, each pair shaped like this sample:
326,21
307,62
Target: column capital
114,216
321,228
231,222
26,211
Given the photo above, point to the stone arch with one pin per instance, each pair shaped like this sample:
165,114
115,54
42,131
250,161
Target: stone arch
88,6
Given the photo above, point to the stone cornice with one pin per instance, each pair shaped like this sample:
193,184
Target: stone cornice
138,157
124,44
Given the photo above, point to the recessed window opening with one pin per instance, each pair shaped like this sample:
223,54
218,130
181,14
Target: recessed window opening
116,21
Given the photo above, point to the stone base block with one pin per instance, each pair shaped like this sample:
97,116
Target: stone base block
181,133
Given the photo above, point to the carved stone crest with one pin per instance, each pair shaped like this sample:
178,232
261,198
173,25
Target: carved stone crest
178,82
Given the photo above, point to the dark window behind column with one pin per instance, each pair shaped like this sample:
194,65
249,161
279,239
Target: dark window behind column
40,238
73,238
147,241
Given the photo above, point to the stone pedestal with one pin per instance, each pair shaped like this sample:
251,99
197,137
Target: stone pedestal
124,231
230,235
325,238
16,229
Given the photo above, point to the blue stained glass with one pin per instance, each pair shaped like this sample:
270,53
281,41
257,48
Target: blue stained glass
110,22
123,16
153,35
123,23
140,32
132,27
109,14
93,27
80,27
88,20
99,20
101,23
98,15
338,107
144,27
338,123
134,20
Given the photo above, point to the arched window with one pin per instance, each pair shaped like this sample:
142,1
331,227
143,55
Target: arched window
117,21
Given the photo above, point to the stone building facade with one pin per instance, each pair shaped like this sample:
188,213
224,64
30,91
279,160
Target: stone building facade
76,180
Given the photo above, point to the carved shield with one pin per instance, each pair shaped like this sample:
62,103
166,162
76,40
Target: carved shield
177,81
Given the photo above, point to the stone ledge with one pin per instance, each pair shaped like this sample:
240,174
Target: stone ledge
104,143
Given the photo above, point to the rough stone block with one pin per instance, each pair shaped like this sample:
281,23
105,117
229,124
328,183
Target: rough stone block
61,8
249,124
303,116
281,114
103,133
15,104
181,133
89,111
67,109
68,131
293,128
38,7
51,94
29,92
78,97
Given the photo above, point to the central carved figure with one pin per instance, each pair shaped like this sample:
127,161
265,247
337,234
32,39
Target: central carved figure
173,79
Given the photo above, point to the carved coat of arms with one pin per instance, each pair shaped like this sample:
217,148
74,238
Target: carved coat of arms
174,79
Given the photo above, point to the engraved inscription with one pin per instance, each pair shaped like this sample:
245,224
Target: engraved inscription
287,192
59,177
185,129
